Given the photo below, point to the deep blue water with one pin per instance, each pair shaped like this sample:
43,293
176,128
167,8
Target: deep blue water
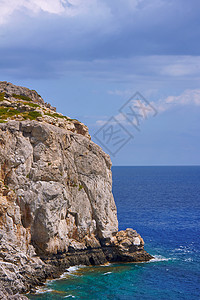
163,205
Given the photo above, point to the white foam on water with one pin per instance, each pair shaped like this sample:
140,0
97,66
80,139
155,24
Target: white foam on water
71,271
63,275
74,268
51,280
158,258
69,296
188,259
107,273
43,290
183,250
106,265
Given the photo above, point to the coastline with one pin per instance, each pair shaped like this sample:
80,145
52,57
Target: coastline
79,270
56,203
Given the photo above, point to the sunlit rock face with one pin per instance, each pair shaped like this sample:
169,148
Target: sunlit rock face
56,202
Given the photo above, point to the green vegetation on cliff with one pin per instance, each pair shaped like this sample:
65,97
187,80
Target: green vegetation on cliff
6,112
2,96
9,112
21,97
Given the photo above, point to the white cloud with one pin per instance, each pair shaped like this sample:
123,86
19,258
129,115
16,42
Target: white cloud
50,6
134,112
119,117
188,97
68,8
180,69
181,66
8,7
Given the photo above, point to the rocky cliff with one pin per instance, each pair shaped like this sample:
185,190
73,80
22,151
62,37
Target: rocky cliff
56,202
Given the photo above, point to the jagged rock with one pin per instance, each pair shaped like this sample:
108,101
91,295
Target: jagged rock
20,103
56,202
11,89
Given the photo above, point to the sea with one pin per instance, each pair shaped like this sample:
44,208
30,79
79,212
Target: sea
163,205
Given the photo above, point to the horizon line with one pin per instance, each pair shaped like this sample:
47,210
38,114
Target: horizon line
155,165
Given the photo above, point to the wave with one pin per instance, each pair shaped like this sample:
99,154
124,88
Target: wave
43,290
71,271
106,264
158,258
188,259
183,250
107,273
69,296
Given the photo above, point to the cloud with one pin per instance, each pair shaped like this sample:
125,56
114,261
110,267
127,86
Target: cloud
8,7
122,41
188,97
63,8
133,112
181,66
137,26
66,7
58,62
100,122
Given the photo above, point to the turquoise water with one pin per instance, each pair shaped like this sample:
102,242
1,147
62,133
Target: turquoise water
163,205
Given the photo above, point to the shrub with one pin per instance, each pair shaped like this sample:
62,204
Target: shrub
80,187
55,115
21,97
33,115
6,112
2,96
31,104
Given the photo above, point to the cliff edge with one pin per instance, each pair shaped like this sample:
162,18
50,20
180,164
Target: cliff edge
56,202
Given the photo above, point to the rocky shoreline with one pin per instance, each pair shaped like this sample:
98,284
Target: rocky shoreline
56,204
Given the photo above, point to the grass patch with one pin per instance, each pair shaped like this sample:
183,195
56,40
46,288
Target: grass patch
6,112
33,115
2,96
80,187
21,97
2,121
58,116
55,115
31,104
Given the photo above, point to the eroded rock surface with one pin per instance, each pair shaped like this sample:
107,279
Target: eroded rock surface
56,202
20,103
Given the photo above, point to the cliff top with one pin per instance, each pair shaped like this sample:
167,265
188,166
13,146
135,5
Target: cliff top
20,103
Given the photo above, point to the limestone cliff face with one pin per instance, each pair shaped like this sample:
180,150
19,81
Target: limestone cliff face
56,202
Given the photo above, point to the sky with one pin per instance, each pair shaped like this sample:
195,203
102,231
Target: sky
128,69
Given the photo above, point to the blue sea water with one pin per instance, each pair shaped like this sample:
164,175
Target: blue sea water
163,205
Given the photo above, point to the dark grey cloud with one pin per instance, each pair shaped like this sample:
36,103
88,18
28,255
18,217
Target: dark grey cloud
37,44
